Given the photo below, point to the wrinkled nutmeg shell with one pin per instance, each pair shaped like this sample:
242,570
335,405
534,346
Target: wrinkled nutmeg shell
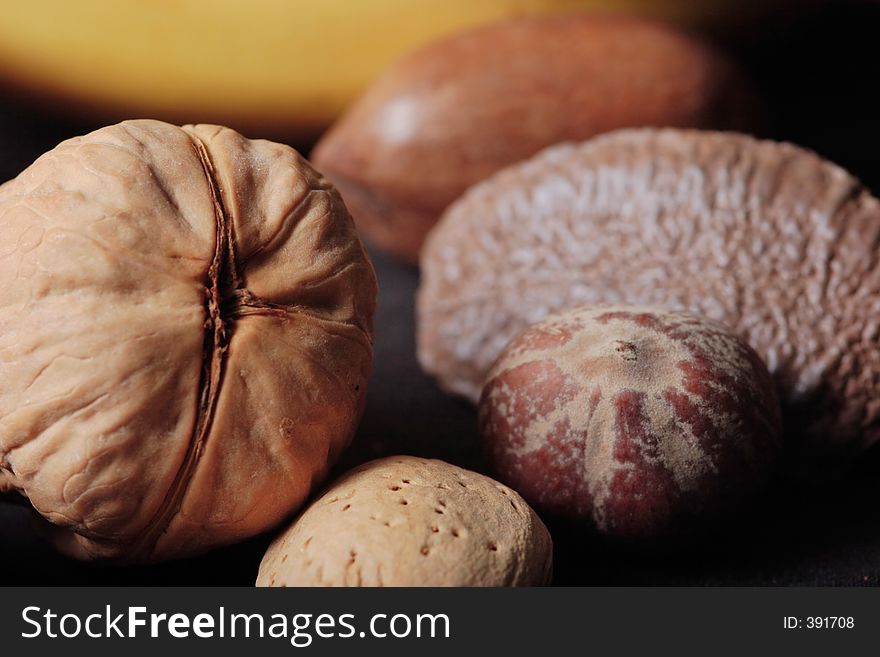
767,238
185,337
640,420
406,521
453,113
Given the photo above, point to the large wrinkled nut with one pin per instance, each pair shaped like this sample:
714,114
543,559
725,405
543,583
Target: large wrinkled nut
767,238
185,337
640,420
406,521
456,111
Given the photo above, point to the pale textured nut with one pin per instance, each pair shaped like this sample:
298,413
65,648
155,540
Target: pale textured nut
451,114
767,238
185,337
406,521
642,420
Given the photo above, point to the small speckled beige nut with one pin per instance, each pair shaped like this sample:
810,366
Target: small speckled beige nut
406,521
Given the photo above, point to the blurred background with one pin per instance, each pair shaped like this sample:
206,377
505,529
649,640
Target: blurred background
286,70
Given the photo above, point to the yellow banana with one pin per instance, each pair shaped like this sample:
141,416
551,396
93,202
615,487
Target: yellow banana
292,65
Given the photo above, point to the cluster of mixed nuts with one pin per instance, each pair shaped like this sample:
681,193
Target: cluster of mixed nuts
186,315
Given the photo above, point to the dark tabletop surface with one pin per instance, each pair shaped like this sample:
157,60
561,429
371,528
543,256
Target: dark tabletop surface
819,74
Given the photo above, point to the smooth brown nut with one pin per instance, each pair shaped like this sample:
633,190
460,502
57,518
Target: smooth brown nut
185,337
765,237
453,113
641,420
406,521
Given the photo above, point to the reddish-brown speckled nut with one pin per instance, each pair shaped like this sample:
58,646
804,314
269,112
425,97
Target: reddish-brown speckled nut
638,419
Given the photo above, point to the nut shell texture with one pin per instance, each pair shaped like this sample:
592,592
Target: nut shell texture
453,113
768,238
185,337
638,419
405,521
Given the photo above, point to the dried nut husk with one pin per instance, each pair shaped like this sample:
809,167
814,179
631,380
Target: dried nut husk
766,237
407,521
185,337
